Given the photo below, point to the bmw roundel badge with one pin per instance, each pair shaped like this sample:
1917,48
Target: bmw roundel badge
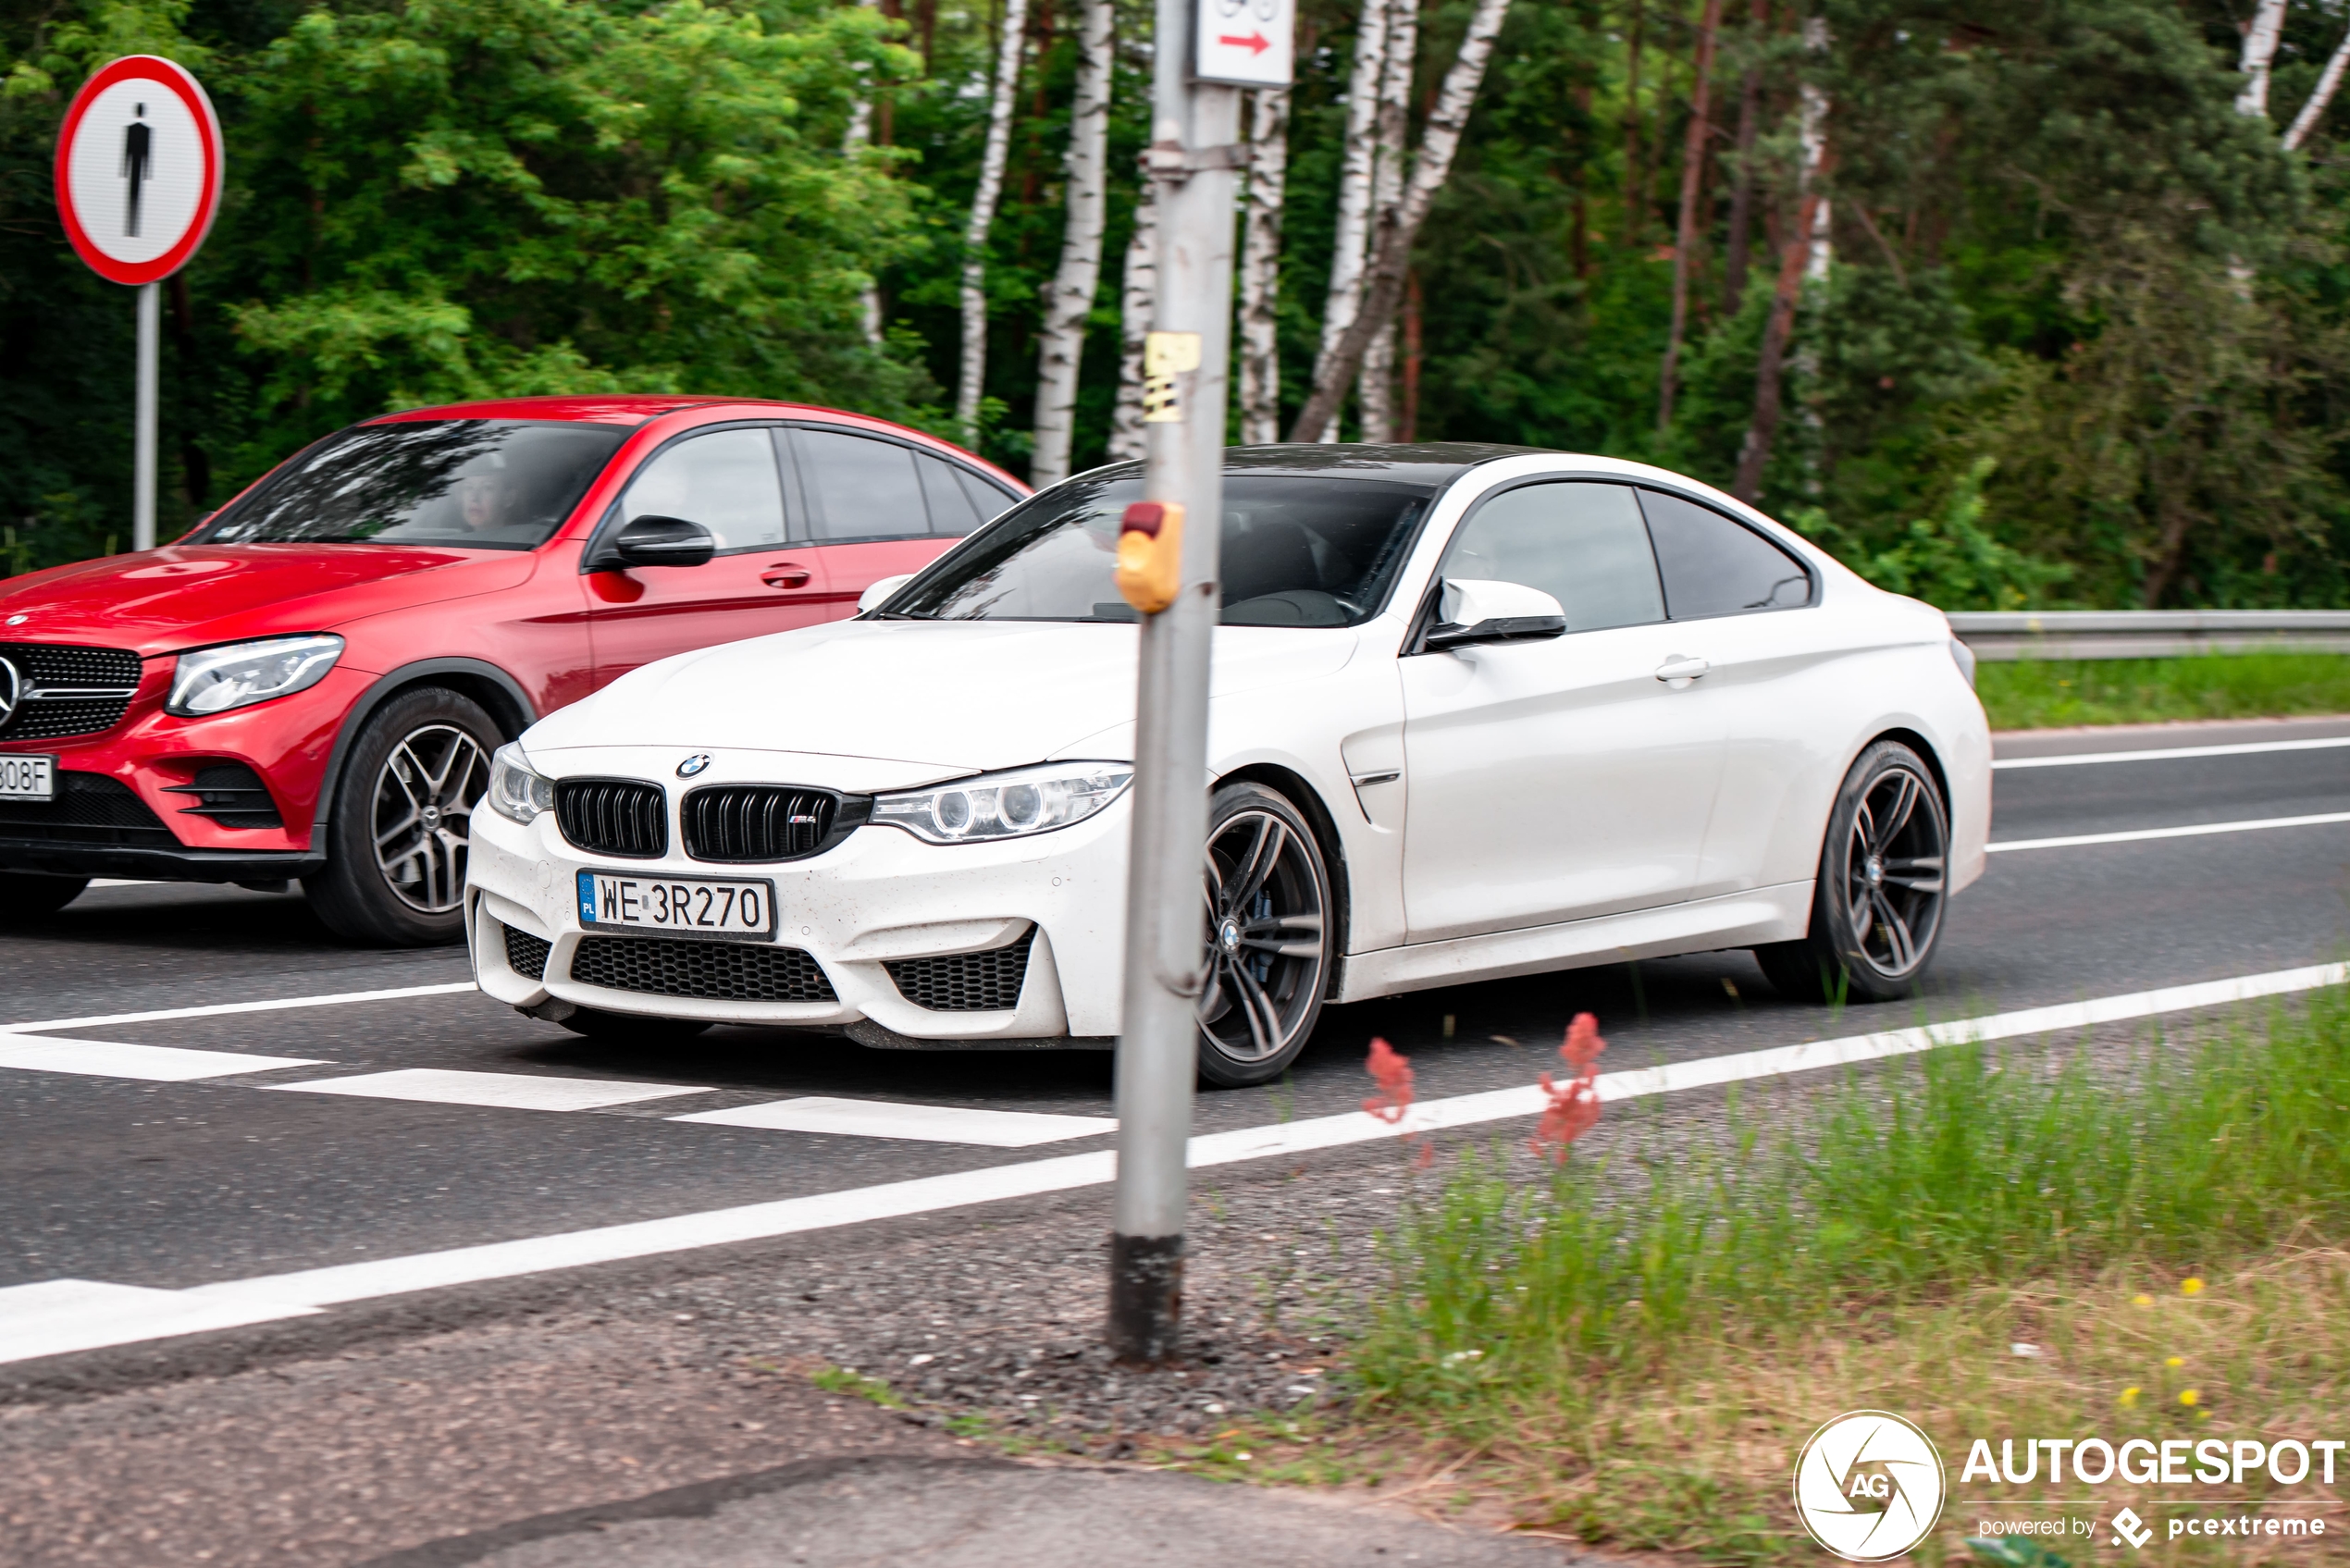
693,764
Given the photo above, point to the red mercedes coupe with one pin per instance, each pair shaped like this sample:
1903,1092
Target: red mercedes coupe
309,685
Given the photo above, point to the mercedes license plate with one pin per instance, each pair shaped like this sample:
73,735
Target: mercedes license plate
28,778
685,905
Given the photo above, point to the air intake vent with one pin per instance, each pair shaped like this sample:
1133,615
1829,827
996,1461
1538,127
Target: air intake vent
745,822
722,971
966,982
231,795
89,808
621,817
69,691
527,954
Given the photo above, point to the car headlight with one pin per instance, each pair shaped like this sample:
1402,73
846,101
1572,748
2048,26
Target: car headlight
1006,805
515,792
213,680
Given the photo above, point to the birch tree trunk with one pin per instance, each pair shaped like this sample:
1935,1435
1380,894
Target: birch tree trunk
1384,284
2259,53
1260,377
1813,131
1685,234
1352,235
1734,255
860,134
1375,388
982,218
2315,109
1806,254
1138,299
1069,301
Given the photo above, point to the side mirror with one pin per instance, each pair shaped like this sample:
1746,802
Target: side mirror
654,541
1476,609
878,593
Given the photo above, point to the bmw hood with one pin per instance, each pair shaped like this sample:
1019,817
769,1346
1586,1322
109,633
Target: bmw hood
943,699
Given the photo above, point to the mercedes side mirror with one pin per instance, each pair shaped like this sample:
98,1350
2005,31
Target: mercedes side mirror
1477,610
655,541
875,596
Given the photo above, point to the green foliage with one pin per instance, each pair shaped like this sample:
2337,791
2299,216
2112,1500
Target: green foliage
1952,561
469,198
2085,319
2046,692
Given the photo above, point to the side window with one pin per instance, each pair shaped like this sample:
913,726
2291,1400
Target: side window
1714,566
858,488
951,511
986,498
1580,543
725,481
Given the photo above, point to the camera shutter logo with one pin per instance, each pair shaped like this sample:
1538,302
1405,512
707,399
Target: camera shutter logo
1868,1486
11,691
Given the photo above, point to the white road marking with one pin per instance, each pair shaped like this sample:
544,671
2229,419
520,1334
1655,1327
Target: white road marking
58,1315
2173,754
156,1064
29,1332
2196,829
534,1254
930,1124
218,1009
510,1091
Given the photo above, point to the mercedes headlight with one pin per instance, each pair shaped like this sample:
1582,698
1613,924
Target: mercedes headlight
1008,805
515,792
213,680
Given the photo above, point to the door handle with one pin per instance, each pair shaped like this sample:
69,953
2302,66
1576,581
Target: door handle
784,575
1677,672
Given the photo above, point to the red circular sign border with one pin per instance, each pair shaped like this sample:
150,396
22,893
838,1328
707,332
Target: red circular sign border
174,76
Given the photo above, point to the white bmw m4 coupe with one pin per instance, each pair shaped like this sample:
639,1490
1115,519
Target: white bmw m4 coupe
1477,712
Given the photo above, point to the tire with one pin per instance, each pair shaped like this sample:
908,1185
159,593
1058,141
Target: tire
1269,933
1876,911
396,840
25,896
632,1028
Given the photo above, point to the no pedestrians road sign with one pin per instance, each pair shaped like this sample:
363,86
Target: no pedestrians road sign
139,169
1244,43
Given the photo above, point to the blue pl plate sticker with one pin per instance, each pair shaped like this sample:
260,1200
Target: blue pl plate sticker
587,897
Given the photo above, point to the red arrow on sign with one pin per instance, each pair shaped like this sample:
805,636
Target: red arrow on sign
1256,43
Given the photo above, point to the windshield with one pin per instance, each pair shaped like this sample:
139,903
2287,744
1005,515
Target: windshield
485,484
1299,549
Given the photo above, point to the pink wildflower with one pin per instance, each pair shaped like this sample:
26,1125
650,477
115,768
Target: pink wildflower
1573,1108
1391,1071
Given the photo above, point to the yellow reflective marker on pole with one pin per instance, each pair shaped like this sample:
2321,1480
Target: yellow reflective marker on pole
1150,554
1167,355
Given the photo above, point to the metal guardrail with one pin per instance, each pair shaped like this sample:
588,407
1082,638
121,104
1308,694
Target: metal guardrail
2149,634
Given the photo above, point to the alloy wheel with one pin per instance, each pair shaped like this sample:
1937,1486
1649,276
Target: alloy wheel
1265,957
1895,871
422,818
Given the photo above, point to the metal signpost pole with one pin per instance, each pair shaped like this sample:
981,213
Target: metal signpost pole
1167,570
142,441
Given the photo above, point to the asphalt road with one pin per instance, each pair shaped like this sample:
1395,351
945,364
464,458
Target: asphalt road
179,1184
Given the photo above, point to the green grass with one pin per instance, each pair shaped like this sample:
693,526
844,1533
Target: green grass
2032,694
1632,1353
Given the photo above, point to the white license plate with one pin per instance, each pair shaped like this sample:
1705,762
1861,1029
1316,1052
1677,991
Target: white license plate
28,778
687,906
